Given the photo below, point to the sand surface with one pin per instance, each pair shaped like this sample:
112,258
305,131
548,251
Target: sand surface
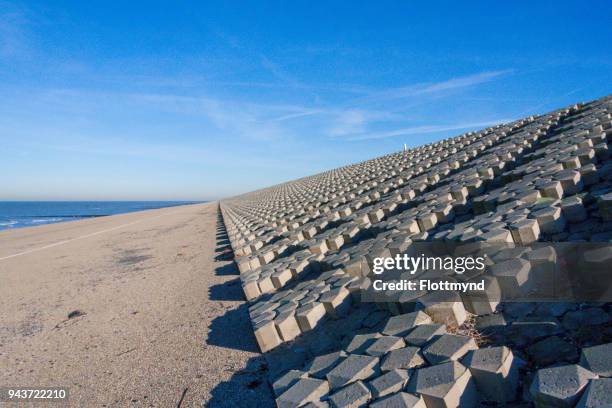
163,317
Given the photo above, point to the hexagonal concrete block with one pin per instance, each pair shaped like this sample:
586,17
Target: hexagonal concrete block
352,396
266,335
427,221
287,325
389,383
280,278
495,371
284,382
559,386
552,189
550,220
525,232
337,302
402,324
443,307
360,342
251,289
573,209
403,358
308,316
449,347
399,400
321,365
604,204
598,394
305,390
571,181
444,386
383,345
598,359
512,276
424,333
355,367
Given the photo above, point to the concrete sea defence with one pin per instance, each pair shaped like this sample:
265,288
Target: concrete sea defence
304,247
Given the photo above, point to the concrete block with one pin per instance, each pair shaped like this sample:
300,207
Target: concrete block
559,386
308,316
321,365
354,368
525,232
550,220
512,276
443,307
604,204
305,390
399,400
448,347
354,395
280,278
495,371
266,335
424,333
403,358
336,302
402,324
598,359
383,345
571,181
251,289
283,383
444,386
389,383
573,209
598,394
360,342
551,350
287,325
427,221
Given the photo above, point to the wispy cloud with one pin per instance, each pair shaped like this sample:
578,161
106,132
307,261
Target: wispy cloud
432,88
426,129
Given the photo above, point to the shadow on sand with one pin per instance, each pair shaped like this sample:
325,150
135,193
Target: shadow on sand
248,387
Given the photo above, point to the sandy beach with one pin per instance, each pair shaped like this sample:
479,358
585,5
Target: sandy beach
157,314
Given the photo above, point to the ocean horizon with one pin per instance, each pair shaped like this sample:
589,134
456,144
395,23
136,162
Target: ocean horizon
21,214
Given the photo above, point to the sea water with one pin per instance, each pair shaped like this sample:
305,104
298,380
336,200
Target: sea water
18,214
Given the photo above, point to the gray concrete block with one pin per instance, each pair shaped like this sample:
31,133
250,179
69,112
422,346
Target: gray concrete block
496,373
598,359
360,342
525,232
320,366
283,383
388,383
598,394
448,347
266,335
399,400
287,325
424,333
354,395
305,390
402,324
559,386
403,358
383,345
308,316
550,350
444,385
355,367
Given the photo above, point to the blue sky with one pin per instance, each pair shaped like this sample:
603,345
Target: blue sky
122,100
